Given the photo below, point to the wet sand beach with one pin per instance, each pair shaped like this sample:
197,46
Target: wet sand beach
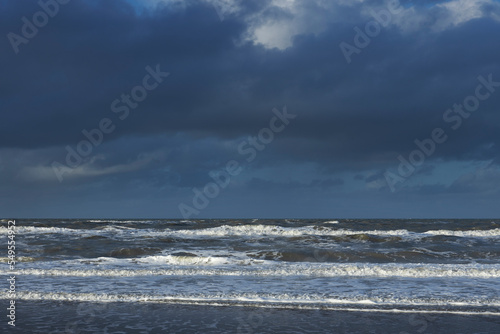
78,317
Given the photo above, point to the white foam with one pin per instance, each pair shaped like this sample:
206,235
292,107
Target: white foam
18,259
117,221
208,266
279,231
281,301
46,230
75,231
249,231
184,260
468,233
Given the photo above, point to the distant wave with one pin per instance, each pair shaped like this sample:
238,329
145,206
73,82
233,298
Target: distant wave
249,231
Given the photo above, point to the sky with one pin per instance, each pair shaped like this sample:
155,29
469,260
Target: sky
249,109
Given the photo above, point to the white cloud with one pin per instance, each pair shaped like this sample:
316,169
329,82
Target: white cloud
278,31
463,10
221,7
446,15
276,24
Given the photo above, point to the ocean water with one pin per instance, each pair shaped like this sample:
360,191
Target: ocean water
416,271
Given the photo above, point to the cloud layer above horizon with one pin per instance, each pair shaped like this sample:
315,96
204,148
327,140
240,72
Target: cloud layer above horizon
349,151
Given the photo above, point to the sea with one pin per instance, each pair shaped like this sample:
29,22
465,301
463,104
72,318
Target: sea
252,276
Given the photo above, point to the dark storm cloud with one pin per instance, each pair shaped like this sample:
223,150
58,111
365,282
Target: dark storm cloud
355,117
396,90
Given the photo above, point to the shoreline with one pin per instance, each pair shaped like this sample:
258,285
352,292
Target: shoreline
90,317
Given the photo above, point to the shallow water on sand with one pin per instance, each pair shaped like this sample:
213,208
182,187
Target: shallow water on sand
73,317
